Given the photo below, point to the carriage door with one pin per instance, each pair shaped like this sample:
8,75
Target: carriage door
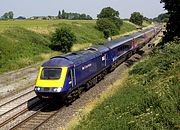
73,77
104,59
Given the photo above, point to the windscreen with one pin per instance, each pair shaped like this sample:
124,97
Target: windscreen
51,73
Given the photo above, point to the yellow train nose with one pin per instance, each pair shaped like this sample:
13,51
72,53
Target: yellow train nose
48,80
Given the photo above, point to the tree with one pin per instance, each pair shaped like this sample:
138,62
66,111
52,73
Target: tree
109,22
164,17
62,39
107,27
136,18
63,14
108,12
59,15
11,15
73,16
173,25
8,15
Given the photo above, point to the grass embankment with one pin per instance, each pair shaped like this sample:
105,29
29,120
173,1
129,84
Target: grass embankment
20,47
148,99
25,42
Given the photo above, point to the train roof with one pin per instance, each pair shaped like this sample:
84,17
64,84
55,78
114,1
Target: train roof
117,42
147,30
137,34
100,48
74,58
57,61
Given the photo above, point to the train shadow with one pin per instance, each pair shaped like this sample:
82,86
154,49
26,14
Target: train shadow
129,62
35,104
141,52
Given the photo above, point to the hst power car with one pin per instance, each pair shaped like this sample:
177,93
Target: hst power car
65,77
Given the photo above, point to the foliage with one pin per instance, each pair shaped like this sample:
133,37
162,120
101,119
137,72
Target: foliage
149,99
73,16
109,16
8,15
164,17
19,47
147,20
107,27
59,15
173,25
136,18
108,12
63,39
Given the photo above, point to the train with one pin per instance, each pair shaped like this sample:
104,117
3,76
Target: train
65,77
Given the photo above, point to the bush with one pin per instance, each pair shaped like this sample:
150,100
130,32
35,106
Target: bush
107,27
62,39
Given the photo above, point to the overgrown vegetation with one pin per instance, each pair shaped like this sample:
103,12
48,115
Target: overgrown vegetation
149,98
62,39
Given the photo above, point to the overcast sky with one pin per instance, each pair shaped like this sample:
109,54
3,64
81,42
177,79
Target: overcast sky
28,8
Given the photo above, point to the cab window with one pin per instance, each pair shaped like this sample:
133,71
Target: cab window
51,73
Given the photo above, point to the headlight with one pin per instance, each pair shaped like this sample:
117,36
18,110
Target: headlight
57,89
37,88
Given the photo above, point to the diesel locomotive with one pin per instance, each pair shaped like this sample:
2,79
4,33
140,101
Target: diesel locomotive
65,77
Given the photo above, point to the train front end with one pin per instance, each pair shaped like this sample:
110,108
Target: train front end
52,82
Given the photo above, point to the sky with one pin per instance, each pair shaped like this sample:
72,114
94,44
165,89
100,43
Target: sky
28,8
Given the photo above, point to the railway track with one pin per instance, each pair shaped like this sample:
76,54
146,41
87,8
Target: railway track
37,119
25,111
16,106
12,100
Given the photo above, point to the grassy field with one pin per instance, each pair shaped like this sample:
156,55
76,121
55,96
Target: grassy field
38,23
20,47
148,99
25,42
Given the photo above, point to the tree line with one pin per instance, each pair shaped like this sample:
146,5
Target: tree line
73,16
61,15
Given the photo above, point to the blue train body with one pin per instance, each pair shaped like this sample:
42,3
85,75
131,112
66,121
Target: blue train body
81,69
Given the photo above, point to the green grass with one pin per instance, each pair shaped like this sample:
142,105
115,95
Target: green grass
18,48
38,23
24,41
148,100
127,27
